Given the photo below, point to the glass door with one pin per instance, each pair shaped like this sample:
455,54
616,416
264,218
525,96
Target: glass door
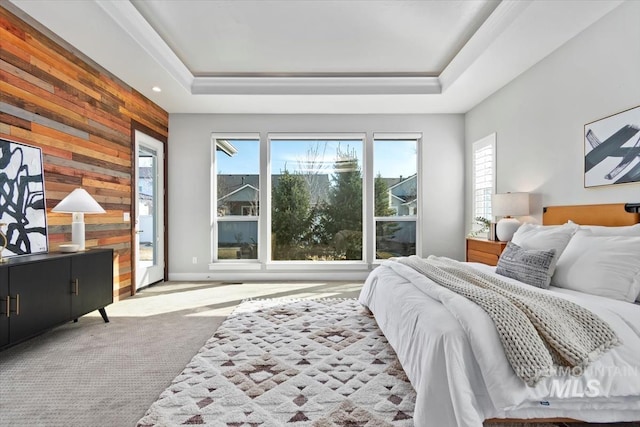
149,221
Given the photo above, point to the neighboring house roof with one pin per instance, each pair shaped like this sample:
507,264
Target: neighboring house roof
405,190
245,187
241,188
245,193
390,181
400,200
402,183
319,185
232,182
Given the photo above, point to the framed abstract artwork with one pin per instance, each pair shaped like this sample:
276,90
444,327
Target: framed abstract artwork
22,200
612,149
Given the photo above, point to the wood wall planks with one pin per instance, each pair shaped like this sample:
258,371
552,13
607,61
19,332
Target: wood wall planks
83,119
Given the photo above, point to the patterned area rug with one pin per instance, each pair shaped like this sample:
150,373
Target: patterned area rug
290,362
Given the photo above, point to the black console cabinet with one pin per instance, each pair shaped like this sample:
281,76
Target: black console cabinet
38,292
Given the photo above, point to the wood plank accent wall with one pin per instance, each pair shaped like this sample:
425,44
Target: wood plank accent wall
83,119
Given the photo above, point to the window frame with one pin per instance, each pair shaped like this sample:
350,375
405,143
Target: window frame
417,218
298,264
489,140
213,201
263,218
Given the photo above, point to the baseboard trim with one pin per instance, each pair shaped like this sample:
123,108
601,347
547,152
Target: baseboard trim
269,276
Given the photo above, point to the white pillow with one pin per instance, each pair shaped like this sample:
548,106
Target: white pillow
600,230
626,230
608,266
544,238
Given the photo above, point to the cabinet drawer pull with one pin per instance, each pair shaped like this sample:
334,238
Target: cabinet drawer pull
17,298
76,287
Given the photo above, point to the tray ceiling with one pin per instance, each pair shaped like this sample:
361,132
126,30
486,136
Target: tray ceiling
315,56
316,37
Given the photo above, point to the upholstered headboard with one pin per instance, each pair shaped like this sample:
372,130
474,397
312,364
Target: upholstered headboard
615,214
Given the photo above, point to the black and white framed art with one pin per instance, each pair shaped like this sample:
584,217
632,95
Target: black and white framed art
22,200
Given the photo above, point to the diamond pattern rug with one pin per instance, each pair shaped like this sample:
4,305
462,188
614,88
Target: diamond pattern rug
290,362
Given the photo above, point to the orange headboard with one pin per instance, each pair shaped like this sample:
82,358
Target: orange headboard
615,214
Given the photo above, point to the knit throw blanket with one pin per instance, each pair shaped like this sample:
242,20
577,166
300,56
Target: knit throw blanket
537,330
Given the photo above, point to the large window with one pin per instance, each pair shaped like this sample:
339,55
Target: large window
395,196
282,199
316,199
237,189
483,170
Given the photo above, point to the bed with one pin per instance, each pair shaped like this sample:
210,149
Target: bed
453,356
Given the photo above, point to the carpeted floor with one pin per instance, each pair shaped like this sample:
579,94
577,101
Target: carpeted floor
92,374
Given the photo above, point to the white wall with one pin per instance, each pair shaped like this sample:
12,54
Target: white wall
540,116
189,175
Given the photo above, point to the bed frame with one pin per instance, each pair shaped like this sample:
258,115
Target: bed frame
611,215
616,214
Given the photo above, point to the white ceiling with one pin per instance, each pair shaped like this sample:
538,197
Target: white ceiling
316,56
315,37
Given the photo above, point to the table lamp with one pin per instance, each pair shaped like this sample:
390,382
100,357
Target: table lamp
508,205
78,203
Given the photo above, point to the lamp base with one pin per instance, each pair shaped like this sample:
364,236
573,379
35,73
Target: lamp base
69,248
77,230
505,228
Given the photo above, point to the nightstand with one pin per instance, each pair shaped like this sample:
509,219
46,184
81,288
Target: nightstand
483,250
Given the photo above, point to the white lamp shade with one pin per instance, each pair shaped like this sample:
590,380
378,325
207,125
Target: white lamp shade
510,204
78,201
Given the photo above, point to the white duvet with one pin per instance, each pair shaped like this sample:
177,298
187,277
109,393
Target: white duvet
452,354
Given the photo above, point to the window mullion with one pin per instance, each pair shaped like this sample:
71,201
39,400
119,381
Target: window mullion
420,209
368,244
265,198
213,202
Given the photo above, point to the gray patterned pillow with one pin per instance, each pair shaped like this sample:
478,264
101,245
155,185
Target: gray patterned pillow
526,265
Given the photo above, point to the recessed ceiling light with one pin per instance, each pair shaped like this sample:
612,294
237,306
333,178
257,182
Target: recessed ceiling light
156,89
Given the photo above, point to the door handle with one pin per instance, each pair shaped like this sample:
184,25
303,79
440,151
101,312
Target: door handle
17,298
76,287
7,306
